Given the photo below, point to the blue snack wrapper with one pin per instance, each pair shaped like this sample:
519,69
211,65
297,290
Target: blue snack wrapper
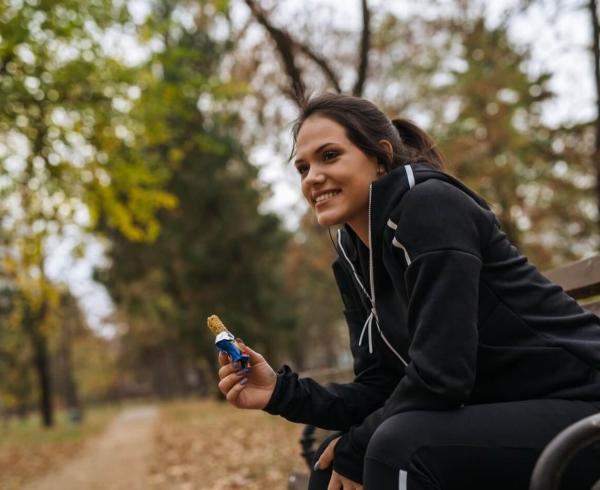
225,342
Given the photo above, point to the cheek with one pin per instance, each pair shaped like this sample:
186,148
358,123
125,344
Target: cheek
306,193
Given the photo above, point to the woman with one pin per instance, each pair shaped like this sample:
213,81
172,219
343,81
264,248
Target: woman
467,360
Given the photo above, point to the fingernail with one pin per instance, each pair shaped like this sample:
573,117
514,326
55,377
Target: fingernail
239,340
244,381
240,373
316,466
236,364
246,371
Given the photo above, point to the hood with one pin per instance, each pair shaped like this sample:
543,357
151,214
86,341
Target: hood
386,195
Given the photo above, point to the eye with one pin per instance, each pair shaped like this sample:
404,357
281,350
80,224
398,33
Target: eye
302,169
329,154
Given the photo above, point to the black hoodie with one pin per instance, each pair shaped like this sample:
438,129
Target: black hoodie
449,314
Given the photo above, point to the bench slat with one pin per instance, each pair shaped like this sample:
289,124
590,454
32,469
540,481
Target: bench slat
594,307
579,279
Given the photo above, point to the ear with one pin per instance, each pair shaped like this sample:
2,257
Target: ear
387,146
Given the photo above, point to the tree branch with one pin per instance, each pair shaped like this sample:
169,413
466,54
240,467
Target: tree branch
322,63
285,46
365,43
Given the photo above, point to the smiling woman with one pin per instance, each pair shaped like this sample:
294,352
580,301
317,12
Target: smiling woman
450,326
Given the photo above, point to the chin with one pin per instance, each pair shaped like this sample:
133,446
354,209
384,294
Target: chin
328,220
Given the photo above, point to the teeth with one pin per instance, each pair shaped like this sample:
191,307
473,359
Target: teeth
323,197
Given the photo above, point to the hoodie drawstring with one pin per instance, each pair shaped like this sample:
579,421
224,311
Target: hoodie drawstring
368,328
368,325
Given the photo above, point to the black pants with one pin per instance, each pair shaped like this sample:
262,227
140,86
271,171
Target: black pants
492,446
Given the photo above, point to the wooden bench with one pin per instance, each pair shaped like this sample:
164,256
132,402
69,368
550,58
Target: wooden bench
581,280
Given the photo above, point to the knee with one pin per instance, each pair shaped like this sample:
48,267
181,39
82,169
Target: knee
398,437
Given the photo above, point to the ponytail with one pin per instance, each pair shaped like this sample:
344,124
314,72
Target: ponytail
419,143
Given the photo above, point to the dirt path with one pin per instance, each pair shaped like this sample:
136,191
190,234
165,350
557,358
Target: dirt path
117,460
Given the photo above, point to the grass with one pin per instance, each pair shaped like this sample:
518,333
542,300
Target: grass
29,432
27,450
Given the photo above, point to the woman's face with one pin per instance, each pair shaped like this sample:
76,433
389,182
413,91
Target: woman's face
335,173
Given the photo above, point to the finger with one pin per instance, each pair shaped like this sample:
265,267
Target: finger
324,462
234,393
228,382
320,461
255,357
228,369
327,455
224,358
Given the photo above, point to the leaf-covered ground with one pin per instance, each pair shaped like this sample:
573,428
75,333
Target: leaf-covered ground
208,445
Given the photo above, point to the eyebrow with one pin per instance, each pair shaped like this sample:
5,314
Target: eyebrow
298,160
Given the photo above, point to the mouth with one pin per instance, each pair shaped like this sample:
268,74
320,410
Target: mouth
323,198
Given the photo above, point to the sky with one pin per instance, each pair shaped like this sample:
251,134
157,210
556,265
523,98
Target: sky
558,46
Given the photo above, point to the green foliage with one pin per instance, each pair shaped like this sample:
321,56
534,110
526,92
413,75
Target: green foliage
216,253
66,155
63,110
27,434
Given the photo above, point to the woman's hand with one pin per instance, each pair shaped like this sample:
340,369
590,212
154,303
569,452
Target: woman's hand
248,388
337,481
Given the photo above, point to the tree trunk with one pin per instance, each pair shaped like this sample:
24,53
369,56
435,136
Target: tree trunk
42,368
71,397
41,361
596,53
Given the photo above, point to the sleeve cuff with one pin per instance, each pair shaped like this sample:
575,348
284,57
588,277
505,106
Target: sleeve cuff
273,406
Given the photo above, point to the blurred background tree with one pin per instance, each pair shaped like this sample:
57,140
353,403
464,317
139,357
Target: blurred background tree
216,252
154,127
538,178
59,116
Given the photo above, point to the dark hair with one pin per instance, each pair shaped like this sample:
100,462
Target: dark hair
366,125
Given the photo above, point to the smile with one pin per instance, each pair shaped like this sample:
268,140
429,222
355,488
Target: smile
325,197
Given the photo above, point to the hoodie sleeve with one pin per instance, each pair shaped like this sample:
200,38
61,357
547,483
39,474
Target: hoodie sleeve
437,244
336,406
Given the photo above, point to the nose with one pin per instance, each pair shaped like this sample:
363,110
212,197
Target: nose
314,176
